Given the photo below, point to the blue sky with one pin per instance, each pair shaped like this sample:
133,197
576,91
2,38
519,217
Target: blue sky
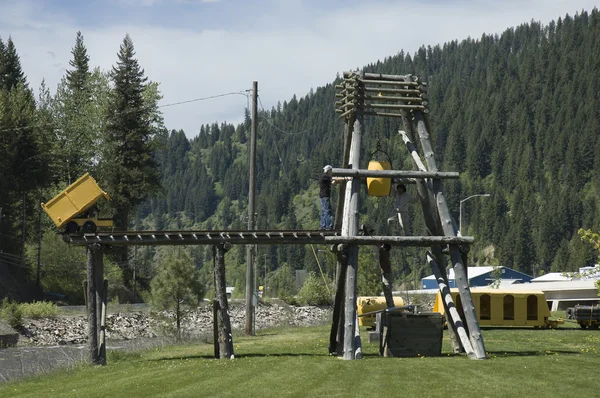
199,48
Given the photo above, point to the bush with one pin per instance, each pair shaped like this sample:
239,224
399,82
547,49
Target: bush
39,309
11,313
314,291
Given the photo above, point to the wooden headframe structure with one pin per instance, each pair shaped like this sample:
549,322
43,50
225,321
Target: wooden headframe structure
360,94
368,94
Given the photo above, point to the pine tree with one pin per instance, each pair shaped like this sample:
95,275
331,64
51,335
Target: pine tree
78,77
129,169
12,71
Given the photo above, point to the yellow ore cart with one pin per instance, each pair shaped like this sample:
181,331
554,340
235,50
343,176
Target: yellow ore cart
69,208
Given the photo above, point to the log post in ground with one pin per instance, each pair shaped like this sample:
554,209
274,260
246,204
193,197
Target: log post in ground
352,345
102,337
454,317
466,299
216,329
449,227
430,215
92,309
335,342
224,322
386,273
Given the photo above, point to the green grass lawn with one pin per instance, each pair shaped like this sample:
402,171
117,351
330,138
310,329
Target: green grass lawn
294,362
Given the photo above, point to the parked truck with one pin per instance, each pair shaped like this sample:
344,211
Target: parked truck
70,209
585,315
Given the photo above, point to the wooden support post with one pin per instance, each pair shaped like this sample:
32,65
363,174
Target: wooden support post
449,228
345,159
452,311
352,346
224,322
335,342
249,326
386,273
216,328
99,276
91,303
102,337
432,221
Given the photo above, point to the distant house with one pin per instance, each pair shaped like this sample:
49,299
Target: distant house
480,276
584,273
552,277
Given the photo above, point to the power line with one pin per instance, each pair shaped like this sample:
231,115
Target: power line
275,127
55,125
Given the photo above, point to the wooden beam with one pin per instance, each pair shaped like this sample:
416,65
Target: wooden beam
449,227
421,241
394,106
405,91
379,76
382,114
336,172
453,312
377,97
413,151
432,223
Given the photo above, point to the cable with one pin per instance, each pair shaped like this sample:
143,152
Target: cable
55,125
272,125
203,99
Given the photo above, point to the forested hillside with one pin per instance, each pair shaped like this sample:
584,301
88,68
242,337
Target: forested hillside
516,114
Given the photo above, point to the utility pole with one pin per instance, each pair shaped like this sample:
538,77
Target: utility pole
251,193
39,253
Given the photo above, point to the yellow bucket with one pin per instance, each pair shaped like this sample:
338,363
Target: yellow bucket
370,304
379,186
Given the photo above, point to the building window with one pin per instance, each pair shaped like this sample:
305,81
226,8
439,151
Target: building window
532,308
485,307
509,307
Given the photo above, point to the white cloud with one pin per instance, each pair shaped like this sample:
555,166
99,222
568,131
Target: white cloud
289,48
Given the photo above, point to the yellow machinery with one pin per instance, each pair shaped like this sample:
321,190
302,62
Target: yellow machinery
370,304
505,308
379,186
68,208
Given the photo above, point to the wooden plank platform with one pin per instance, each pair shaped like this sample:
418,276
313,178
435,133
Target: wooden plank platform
213,237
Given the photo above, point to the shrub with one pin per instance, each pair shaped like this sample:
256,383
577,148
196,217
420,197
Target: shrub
39,309
176,287
314,291
11,313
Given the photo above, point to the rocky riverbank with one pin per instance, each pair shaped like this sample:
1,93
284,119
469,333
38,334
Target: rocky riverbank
72,329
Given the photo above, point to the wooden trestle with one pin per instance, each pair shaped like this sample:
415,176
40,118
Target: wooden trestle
360,94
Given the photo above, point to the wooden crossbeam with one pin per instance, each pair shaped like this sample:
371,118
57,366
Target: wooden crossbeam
394,173
423,241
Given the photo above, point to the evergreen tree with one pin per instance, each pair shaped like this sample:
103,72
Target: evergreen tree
12,71
176,287
129,169
78,77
